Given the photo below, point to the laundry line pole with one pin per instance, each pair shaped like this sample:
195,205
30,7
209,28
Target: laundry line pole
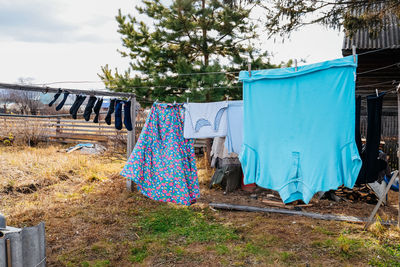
130,144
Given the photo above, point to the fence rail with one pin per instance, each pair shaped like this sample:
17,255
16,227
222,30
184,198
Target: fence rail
389,136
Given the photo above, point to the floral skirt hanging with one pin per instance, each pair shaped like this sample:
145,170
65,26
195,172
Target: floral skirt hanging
163,163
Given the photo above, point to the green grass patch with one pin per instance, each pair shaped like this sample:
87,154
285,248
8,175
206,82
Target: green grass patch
324,231
183,224
138,254
349,247
389,255
343,246
99,263
287,256
166,231
221,249
102,263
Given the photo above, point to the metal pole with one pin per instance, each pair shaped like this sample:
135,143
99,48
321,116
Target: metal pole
130,144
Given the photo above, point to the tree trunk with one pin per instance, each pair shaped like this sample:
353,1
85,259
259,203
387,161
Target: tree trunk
204,29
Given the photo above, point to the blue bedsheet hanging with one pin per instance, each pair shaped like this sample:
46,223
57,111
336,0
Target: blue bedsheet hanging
299,128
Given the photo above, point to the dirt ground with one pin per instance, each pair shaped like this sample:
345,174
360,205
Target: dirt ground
361,209
91,220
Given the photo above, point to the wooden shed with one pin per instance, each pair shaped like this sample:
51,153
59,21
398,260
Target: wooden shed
379,68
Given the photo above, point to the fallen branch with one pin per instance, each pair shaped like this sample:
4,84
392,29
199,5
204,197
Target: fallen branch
331,217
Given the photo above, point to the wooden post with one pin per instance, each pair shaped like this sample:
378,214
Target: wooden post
208,152
398,148
58,128
371,217
130,144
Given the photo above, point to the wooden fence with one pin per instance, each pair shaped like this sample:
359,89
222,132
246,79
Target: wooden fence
389,136
63,129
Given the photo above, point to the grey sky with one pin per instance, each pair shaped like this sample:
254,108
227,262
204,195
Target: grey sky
69,40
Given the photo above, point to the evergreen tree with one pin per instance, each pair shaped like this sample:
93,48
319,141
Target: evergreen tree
285,16
189,36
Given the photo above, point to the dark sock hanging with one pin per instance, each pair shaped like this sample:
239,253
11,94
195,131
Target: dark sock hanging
358,126
118,115
372,165
127,115
96,109
89,107
72,108
75,107
56,96
61,104
110,111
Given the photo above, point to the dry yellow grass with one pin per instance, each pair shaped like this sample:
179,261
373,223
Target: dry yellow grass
27,170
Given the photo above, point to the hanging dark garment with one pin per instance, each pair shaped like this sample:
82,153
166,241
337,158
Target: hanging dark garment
118,114
56,96
89,108
61,104
77,104
127,115
73,107
96,109
372,164
358,130
111,109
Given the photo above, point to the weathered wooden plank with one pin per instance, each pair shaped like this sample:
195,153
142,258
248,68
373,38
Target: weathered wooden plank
313,215
76,129
84,125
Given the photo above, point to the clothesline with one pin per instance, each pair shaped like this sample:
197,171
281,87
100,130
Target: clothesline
226,72
378,50
393,82
381,68
189,74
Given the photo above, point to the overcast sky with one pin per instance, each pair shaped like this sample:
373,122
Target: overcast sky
69,40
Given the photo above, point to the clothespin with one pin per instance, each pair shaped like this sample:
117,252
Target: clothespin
156,100
354,53
376,91
187,100
227,98
249,68
295,64
174,102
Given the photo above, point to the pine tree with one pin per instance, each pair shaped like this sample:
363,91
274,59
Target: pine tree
189,36
286,16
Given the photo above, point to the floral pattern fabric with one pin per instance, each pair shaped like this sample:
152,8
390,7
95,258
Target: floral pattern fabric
163,163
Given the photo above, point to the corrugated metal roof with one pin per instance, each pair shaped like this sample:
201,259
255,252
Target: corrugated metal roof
389,37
